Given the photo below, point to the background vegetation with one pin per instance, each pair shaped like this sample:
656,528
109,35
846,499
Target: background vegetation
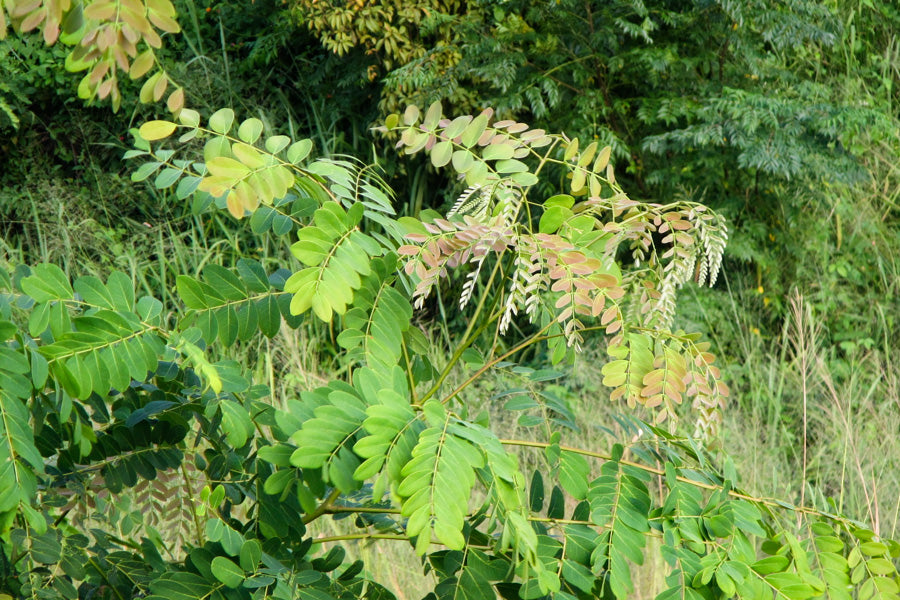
782,116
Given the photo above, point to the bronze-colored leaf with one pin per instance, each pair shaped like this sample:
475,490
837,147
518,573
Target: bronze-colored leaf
160,88
176,101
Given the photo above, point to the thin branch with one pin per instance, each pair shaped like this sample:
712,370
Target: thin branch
322,508
769,502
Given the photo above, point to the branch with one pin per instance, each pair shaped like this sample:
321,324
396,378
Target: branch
322,508
769,502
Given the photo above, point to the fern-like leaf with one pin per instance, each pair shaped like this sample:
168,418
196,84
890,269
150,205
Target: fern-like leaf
437,482
338,255
379,318
326,441
20,460
620,503
392,429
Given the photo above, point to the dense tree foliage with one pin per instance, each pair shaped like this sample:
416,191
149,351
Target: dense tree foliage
151,444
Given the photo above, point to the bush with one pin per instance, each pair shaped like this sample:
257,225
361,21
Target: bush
104,392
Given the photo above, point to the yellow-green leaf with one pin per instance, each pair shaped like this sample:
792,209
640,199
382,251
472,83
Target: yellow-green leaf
189,117
248,155
221,120
441,153
411,114
227,167
299,150
587,155
146,94
432,116
602,159
250,130
100,11
156,130
141,64
571,150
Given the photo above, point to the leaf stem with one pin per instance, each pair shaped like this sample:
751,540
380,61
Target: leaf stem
533,340
769,502
361,536
467,337
378,536
322,508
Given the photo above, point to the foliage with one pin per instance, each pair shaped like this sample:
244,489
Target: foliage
762,112
107,39
102,388
389,35
141,456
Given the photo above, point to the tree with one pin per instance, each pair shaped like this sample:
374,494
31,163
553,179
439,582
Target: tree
104,390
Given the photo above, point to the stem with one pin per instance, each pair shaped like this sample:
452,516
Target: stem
190,490
769,502
396,511
409,373
378,536
363,509
538,337
361,536
467,337
102,574
322,508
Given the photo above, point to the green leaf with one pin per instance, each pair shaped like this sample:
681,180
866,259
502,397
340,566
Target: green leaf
563,200
222,120
145,170
299,151
536,493
174,585
250,130
338,256
46,548
253,275
236,423
553,218
574,471
167,178
94,292
378,322
325,440
19,457
269,315
228,325
498,152
278,481
620,503
47,282
392,427
191,292
218,531
224,282
251,554
436,485
441,153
